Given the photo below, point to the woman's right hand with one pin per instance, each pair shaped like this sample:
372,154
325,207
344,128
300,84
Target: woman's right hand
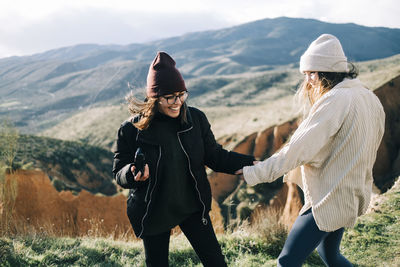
240,172
139,177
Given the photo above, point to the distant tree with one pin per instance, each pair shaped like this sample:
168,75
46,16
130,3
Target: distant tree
8,143
8,187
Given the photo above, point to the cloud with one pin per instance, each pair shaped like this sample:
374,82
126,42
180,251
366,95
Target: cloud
101,26
28,27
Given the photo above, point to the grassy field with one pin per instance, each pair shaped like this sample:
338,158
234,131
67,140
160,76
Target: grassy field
374,241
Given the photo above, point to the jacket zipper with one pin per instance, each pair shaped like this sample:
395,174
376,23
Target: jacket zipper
151,193
203,219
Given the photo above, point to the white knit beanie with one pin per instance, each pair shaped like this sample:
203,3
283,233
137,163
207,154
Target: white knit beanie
325,54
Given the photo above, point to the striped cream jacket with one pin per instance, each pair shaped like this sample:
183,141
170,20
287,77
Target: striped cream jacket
336,148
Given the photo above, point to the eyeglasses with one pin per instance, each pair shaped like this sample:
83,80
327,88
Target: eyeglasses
172,99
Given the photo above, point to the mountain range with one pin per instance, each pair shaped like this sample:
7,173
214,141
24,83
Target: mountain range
221,67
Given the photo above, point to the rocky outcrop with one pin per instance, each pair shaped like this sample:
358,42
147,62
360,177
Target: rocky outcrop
39,207
71,165
271,196
287,198
262,145
224,184
387,165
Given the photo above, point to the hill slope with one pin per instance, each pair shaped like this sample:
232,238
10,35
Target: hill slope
70,165
244,103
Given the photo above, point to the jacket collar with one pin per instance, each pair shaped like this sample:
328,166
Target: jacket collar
149,135
349,83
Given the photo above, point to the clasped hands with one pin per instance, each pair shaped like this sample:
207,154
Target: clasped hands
240,172
139,177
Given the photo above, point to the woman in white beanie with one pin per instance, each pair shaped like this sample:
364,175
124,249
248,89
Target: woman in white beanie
335,146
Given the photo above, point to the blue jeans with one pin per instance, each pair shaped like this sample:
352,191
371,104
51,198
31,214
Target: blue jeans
305,237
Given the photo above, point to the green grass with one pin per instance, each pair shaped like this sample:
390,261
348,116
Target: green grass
374,241
49,251
376,237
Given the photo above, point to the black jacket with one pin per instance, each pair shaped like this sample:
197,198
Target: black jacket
200,147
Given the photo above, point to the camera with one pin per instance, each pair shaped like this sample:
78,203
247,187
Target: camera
139,161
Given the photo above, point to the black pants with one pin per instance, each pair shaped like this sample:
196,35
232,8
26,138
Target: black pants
201,237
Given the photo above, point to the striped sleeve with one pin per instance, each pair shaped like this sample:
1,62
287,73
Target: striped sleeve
324,120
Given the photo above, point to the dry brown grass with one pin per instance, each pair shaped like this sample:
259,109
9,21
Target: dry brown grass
265,224
94,228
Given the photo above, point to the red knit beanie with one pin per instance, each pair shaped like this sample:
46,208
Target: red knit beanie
163,77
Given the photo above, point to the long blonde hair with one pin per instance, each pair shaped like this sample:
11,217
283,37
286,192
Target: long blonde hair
307,95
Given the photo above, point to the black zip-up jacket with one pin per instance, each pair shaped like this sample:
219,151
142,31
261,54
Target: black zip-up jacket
200,147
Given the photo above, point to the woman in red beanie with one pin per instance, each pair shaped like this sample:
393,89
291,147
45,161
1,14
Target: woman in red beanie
172,189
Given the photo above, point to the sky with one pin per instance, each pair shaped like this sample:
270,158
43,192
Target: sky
33,26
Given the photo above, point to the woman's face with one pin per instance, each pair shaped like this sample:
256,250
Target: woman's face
170,105
311,78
